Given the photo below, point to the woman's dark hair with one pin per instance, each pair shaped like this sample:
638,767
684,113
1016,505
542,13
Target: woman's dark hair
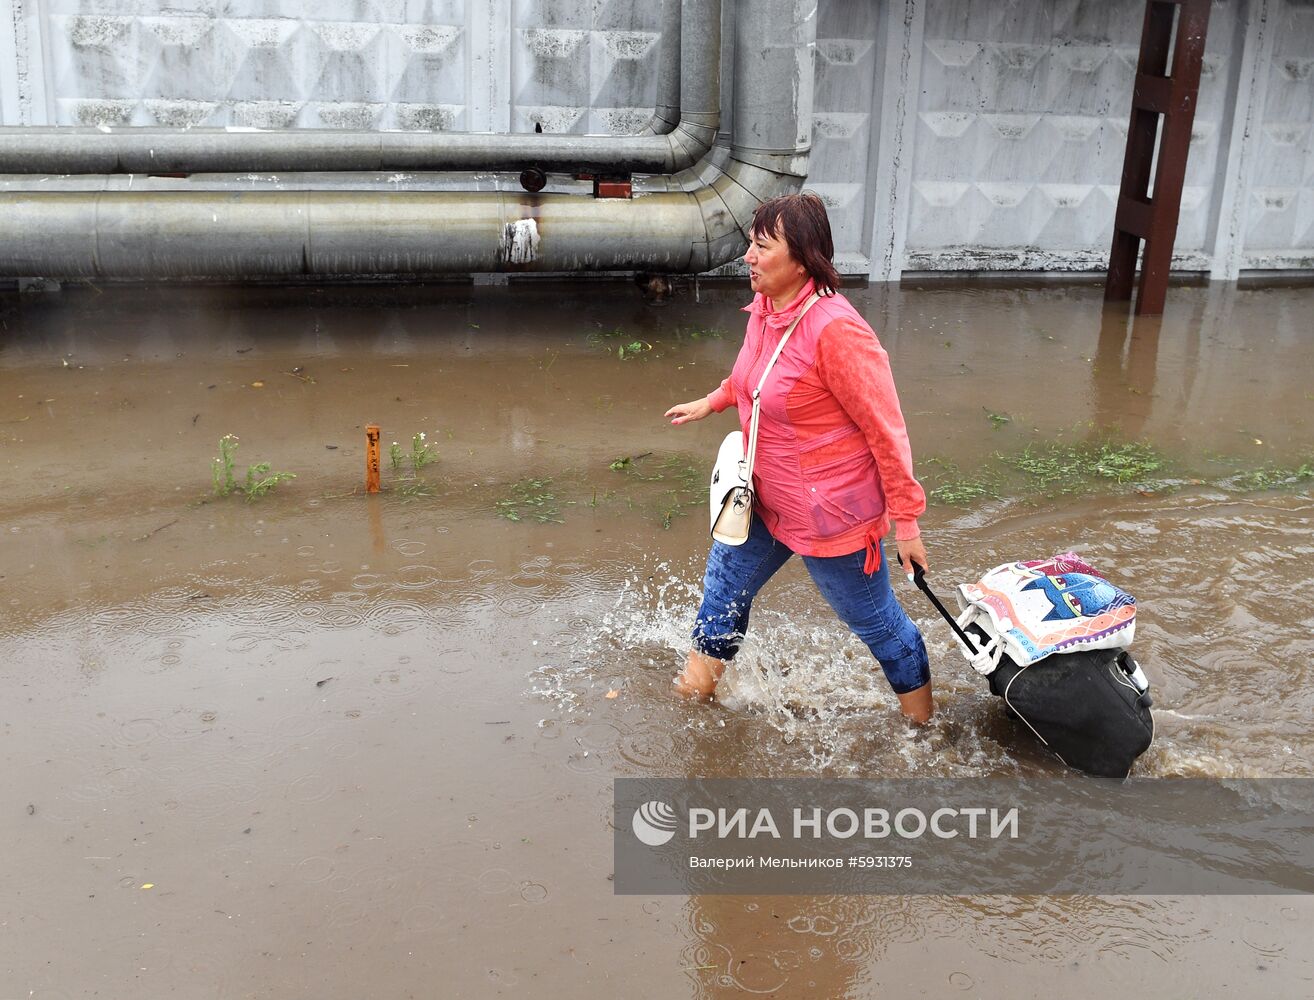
801,220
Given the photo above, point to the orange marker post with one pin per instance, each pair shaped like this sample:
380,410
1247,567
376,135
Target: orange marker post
371,458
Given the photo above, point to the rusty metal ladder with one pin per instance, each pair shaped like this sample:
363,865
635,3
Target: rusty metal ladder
1172,96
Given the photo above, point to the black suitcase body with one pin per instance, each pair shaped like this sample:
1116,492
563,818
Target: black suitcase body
1082,706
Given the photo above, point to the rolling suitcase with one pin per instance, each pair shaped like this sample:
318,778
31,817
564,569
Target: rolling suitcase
1090,708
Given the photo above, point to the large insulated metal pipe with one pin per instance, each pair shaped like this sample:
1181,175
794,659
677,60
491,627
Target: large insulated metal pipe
283,234
774,77
666,115
691,221
774,57
106,150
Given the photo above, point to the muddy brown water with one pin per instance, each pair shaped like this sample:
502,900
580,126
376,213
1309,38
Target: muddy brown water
363,746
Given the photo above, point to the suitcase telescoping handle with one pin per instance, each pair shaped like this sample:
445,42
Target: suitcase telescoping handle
918,576
984,654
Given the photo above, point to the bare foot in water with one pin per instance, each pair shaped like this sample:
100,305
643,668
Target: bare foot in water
700,676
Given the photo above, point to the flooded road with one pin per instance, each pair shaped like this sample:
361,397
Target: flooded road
364,745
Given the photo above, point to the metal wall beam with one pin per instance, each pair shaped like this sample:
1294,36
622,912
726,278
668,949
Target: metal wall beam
899,89
1151,195
1248,111
24,28
8,66
488,79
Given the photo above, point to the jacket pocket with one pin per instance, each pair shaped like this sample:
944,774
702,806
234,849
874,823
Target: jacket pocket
844,493
831,447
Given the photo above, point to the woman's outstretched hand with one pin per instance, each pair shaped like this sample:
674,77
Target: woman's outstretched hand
682,413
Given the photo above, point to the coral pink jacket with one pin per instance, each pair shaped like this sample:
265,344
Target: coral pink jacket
833,464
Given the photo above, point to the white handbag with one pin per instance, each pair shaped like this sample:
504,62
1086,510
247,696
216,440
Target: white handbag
730,495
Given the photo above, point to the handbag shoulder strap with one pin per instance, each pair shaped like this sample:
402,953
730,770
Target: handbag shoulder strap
757,393
781,346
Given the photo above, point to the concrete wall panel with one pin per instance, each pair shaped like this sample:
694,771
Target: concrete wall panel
1021,127
586,67
1278,212
359,65
843,101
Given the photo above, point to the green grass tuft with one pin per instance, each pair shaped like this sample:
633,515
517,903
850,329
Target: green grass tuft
1072,468
530,499
1271,477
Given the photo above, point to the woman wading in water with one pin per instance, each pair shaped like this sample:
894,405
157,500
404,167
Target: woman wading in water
833,467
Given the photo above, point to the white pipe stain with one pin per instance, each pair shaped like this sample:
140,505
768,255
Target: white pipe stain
519,243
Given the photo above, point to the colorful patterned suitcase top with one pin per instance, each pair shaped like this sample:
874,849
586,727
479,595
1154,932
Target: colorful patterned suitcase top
1048,606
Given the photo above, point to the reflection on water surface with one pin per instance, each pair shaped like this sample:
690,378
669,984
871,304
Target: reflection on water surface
367,743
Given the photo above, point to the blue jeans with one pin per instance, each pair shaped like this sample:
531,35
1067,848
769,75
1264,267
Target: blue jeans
866,604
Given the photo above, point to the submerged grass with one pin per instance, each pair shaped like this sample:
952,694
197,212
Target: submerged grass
1073,468
1046,467
619,343
950,486
664,486
1271,477
625,346
659,486
963,492
682,480
685,488
530,499
698,333
415,489
1064,468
